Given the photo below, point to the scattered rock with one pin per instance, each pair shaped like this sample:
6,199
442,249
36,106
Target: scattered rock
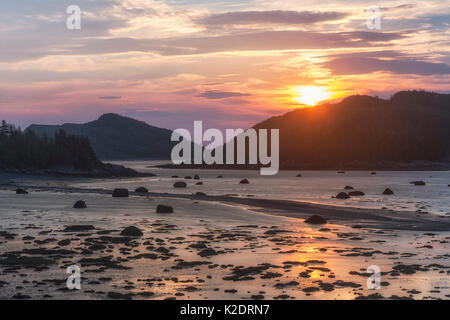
141,190
120,193
315,219
342,195
207,252
356,193
388,192
131,231
79,228
180,184
164,209
21,191
80,205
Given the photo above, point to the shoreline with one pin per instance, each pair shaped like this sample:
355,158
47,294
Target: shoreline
349,216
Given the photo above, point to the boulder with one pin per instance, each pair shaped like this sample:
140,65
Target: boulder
120,193
180,184
196,177
80,204
388,192
141,190
356,193
21,191
418,183
244,181
315,219
131,231
163,209
348,188
342,195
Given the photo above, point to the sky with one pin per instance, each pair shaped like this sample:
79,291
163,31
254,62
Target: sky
228,63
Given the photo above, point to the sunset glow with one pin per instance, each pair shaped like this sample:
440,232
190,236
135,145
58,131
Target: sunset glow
311,95
232,64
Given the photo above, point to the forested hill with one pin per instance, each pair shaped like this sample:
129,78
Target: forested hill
114,137
362,132
63,154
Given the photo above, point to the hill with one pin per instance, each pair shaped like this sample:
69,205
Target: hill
63,154
114,137
411,129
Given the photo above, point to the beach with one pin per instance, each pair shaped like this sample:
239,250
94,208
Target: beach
226,240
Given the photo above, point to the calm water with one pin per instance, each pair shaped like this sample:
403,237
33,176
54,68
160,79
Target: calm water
313,186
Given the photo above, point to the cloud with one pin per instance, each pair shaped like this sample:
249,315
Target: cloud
250,41
213,94
400,7
362,65
110,97
274,17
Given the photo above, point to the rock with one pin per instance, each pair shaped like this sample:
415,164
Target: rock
180,184
188,177
120,193
342,195
175,177
141,190
341,172
199,183
244,181
348,188
80,204
207,252
418,183
219,177
200,194
299,175
79,228
131,231
373,173
388,192
163,209
356,193
196,177
315,219
21,191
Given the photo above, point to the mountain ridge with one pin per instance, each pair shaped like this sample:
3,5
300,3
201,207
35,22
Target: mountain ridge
115,137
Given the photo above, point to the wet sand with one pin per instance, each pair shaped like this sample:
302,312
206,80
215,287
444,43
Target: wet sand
212,247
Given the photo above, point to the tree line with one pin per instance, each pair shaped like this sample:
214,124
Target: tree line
26,150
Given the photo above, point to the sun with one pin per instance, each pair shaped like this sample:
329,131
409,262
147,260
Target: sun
311,95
